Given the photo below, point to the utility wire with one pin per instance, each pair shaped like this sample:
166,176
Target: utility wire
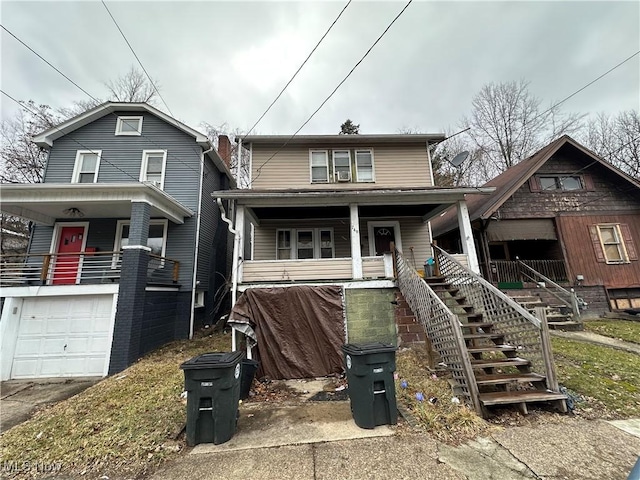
259,170
137,58
297,71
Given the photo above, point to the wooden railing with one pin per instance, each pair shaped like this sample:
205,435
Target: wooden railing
78,268
511,270
520,328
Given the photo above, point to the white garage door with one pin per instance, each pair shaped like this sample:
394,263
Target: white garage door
63,337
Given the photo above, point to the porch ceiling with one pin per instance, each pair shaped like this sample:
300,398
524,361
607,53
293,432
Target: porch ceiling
46,202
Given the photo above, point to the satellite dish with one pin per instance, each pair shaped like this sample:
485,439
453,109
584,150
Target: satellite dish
459,159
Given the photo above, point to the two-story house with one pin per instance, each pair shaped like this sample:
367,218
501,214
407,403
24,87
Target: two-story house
128,248
322,213
565,213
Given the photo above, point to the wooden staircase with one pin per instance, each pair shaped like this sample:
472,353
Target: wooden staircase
558,316
501,375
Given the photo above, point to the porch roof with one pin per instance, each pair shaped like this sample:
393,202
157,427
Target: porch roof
45,203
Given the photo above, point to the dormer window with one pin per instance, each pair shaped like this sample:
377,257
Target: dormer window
153,167
129,126
86,166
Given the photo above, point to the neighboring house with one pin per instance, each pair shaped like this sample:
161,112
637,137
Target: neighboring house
128,248
324,211
568,214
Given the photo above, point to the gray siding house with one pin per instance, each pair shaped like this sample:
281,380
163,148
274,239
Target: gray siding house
128,248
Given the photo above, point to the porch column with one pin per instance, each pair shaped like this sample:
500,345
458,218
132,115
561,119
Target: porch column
466,236
356,254
131,294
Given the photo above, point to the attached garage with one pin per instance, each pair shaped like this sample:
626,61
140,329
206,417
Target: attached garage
63,336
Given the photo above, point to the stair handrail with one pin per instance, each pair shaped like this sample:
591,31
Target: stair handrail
518,326
571,300
442,326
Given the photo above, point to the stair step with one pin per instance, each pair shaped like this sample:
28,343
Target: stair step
477,325
494,348
502,378
506,362
519,396
480,336
469,315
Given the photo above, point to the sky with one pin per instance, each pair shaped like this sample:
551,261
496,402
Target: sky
224,62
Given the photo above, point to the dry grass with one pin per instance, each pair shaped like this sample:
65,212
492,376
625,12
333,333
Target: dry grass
123,425
621,329
445,420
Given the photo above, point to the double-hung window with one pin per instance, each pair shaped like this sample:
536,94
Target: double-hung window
612,244
86,166
304,243
319,160
364,166
131,126
153,167
342,165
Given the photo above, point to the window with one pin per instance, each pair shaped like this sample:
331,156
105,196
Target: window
342,165
364,165
157,236
129,126
153,166
319,166
612,245
87,166
567,183
309,243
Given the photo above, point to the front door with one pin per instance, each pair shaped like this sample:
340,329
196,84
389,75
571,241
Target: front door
65,269
383,236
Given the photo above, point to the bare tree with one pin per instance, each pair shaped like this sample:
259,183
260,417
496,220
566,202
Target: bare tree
507,124
617,140
213,132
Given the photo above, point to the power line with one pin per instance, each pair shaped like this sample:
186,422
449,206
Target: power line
299,68
137,58
259,170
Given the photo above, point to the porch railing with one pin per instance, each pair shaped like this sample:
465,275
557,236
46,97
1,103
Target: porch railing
519,327
78,268
511,271
442,327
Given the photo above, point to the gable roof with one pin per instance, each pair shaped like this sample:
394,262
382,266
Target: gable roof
482,206
46,138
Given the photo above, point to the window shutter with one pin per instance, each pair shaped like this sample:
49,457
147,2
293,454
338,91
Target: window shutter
628,241
588,183
534,184
593,231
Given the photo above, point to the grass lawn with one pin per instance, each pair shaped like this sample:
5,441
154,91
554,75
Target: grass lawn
125,424
623,329
610,376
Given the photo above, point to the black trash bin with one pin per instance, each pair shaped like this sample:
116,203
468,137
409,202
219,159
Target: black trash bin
212,382
370,369
247,372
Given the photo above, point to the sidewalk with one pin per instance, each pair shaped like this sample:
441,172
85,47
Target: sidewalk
598,340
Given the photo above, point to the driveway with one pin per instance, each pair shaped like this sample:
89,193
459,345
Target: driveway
19,399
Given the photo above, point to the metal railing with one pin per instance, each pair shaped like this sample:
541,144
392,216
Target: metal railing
78,268
511,271
519,328
442,327
567,297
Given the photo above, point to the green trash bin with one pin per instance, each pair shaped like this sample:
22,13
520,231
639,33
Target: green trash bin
212,382
370,369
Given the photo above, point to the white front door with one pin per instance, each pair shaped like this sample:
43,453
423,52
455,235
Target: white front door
63,337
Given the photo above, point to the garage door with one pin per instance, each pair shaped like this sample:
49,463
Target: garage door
63,337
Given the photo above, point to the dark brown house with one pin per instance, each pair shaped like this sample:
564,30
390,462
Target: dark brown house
566,213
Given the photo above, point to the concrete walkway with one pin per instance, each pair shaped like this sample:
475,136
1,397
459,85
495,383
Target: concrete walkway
597,339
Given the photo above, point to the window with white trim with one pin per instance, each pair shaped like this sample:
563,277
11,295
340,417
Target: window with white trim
156,241
153,167
364,166
307,243
612,244
86,166
129,126
319,164
342,165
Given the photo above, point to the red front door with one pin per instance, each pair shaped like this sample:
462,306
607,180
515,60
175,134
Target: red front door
66,264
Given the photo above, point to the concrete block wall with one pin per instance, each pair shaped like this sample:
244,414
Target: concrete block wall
410,331
371,315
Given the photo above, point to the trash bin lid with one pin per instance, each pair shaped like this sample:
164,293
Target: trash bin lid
368,348
213,360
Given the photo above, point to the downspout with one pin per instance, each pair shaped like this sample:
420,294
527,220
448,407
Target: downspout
194,283
234,266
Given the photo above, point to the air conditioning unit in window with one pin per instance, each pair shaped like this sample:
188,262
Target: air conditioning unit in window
344,176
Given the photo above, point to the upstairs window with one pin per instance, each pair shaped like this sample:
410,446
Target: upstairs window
364,165
153,167
319,166
86,166
342,165
129,126
561,183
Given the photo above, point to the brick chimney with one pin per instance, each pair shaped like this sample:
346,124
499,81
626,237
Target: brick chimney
224,149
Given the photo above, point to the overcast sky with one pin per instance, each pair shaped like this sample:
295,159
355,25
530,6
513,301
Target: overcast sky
226,61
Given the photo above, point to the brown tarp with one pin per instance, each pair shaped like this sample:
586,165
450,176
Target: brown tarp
299,330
